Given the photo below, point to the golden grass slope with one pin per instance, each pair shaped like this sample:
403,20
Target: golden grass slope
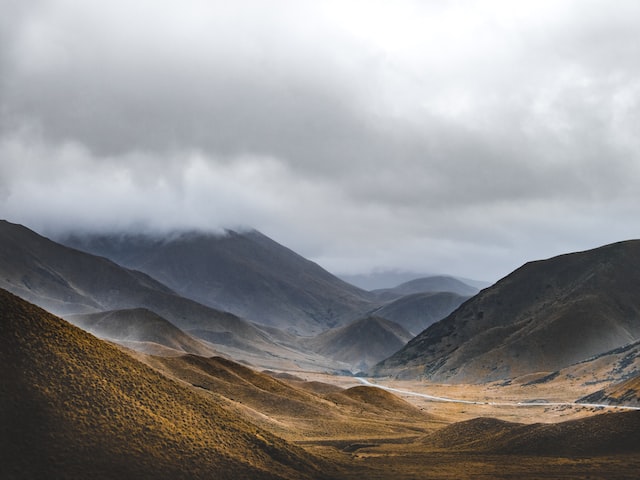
604,434
72,406
295,409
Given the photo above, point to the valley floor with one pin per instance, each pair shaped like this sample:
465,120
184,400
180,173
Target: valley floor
547,403
392,456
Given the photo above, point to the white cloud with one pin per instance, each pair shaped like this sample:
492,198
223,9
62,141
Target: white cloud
463,137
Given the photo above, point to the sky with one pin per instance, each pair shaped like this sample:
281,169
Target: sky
461,137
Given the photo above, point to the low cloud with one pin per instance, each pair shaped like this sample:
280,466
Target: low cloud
424,136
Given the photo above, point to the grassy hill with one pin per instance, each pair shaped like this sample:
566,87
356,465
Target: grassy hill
72,406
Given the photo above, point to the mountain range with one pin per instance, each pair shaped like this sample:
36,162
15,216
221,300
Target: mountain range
245,273
66,281
75,406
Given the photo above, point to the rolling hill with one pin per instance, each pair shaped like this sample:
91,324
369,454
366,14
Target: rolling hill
362,343
72,406
603,434
245,273
293,408
544,316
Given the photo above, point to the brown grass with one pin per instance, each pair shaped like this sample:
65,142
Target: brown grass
72,406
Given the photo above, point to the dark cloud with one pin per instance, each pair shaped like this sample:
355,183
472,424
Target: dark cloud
427,136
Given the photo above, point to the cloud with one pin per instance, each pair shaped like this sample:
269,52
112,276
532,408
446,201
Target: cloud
458,137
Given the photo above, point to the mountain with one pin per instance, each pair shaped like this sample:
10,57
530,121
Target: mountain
245,273
439,283
142,330
362,343
542,317
417,311
66,281
73,406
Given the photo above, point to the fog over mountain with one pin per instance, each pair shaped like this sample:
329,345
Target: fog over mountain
245,273
459,137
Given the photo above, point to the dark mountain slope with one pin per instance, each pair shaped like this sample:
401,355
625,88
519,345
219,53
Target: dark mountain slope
417,311
244,273
72,406
140,329
67,281
544,316
362,343
624,393
602,372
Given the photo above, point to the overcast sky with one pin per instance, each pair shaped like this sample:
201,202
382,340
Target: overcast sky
462,137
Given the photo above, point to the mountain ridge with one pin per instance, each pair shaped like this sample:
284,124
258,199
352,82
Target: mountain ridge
544,316
245,273
67,281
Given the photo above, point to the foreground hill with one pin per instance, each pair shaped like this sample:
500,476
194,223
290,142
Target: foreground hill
417,311
142,330
72,406
245,273
544,316
66,281
362,343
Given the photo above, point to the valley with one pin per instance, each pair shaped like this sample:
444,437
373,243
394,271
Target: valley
112,372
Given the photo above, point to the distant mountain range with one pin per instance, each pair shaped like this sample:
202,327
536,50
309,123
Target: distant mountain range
544,316
66,281
245,273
